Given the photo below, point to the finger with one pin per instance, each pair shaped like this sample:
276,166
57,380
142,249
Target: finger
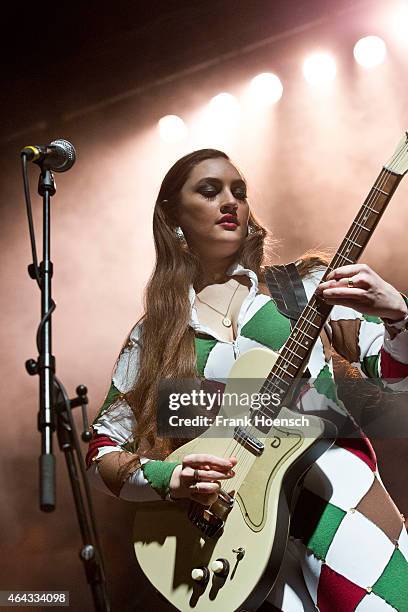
206,475
205,496
342,292
205,488
214,475
325,285
345,281
345,271
214,462
210,460
351,282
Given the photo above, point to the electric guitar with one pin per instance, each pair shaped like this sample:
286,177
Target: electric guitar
227,557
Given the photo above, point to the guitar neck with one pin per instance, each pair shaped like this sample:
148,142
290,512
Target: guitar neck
296,350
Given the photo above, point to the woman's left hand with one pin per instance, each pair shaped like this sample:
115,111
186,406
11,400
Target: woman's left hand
358,286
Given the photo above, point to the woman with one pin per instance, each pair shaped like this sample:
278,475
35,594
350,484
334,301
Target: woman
207,302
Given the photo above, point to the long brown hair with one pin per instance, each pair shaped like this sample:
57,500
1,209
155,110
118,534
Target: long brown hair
167,340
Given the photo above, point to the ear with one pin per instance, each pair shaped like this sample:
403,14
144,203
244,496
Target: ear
170,213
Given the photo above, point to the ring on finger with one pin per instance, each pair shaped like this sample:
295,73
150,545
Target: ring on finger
196,476
350,283
194,487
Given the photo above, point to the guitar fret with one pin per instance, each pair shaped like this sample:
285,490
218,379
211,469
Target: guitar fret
283,368
269,383
293,353
353,242
286,371
305,334
315,310
299,343
346,258
372,209
367,229
381,191
285,382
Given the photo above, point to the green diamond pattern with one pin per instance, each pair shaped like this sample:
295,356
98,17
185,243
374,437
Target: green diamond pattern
203,348
326,529
372,319
315,521
392,585
325,385
268,327
112,396
370,366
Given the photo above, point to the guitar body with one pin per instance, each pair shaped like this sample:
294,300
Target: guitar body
169,545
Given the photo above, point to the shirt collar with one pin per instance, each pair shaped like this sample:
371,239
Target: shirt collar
234,270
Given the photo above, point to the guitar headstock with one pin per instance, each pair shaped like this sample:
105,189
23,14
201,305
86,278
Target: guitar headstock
398,164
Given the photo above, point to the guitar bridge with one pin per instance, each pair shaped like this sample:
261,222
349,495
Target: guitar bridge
210,521
249,442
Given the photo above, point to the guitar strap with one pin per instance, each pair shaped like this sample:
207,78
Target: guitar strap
286,288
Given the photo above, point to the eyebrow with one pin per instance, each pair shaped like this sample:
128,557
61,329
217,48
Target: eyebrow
215,179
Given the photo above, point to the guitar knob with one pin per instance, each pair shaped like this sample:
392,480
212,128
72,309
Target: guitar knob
220,567
200,574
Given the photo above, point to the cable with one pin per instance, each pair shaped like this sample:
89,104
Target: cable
30,219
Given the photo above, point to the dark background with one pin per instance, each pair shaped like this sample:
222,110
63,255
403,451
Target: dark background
101,75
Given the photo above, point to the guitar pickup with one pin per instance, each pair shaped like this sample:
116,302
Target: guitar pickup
249,442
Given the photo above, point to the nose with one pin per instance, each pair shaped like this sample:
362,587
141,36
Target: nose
230,203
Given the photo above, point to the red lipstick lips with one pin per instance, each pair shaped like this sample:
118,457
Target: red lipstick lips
228,220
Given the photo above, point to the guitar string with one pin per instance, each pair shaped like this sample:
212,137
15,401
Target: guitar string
352,236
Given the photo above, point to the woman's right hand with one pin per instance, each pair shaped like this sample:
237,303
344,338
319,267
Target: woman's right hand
210,470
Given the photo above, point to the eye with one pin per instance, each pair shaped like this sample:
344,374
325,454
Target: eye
241,194
209,194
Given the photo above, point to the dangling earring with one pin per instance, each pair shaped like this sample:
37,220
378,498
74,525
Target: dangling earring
250,230
179,233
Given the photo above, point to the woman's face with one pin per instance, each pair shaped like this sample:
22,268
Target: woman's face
213,210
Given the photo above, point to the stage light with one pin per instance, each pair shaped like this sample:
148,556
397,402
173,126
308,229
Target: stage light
224,106
319,69
266,89
172,128
370,51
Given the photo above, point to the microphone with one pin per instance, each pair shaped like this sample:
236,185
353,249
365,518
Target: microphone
59,155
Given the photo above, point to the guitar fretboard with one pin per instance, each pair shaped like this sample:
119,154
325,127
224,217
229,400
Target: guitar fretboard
295,352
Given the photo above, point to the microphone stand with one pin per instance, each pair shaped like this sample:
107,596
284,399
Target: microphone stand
55,407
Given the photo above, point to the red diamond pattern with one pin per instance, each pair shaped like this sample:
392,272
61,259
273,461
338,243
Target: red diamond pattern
337,594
